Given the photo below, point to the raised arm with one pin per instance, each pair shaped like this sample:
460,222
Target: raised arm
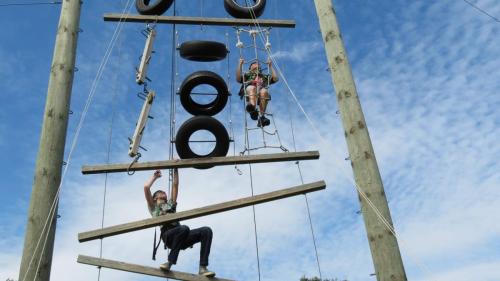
274,77
175,185
147,188
239,79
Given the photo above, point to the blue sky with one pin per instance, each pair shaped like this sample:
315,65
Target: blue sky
427,76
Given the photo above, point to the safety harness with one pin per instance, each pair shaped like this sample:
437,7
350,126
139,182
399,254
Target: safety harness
166,208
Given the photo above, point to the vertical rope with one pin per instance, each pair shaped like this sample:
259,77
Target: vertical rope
247,141
113,110
172,97
231,129
173,76
292,131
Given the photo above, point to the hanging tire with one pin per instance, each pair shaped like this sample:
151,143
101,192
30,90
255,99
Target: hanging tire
254,10
152,7
197,50
200,78
201,123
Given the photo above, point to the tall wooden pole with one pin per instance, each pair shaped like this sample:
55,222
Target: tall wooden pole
383,244
40,232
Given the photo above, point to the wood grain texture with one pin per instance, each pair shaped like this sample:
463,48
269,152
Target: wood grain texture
199,212
212,161
146,270
383,244
198,20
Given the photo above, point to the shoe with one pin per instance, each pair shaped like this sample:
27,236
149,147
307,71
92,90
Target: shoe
250,108
263,121
254,115
165,266
205,272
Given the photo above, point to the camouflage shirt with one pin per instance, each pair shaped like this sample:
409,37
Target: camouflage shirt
168,207
257,79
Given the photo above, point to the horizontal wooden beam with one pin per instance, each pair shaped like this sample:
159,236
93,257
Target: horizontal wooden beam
200,212
198,20
146,270
212,161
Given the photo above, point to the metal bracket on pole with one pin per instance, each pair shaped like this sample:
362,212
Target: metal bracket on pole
146,57
141,124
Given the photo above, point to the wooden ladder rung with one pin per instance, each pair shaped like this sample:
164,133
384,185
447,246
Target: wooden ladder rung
199,212
146,270
211,161
198,20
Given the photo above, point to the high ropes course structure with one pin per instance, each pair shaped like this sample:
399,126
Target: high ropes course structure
252,39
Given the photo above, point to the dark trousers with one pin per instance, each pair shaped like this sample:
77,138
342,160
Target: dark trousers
181,238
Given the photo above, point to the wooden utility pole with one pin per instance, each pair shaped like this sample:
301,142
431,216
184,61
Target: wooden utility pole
383,244
40,231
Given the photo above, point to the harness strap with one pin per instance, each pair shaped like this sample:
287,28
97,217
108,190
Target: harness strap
155,245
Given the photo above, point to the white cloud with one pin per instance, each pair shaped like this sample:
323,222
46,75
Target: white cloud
430,105
299,52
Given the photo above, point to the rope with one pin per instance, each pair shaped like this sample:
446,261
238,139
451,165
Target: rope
381,218
173,76
247,144
50,216
252,191
292,131
231,129
482,11
108,156
262,129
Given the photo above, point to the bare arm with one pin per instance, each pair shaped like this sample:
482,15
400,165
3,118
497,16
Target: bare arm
274,77
238,71
147,189
175,185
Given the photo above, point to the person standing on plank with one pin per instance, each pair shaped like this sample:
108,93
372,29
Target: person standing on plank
176,236
255,81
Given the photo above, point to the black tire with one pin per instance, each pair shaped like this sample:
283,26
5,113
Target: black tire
200,78
203,50
201,123
243,12
157,7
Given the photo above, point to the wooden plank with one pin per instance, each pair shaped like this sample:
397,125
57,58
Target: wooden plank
146,270
199,212
213,161
198,20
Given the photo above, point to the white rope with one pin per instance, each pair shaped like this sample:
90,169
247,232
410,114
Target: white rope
51,214
323,139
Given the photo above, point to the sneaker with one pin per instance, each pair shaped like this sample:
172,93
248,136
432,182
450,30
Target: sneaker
205,272
254,115
165,266
250,108
263,121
